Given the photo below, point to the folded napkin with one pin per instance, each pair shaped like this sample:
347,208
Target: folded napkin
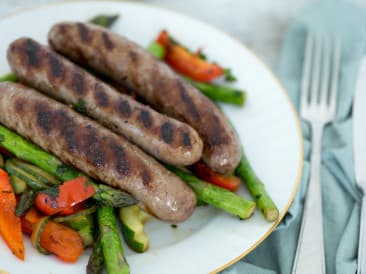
341,197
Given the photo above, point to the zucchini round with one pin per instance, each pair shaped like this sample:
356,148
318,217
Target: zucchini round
37,233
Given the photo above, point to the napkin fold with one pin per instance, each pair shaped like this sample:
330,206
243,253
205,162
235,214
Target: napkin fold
341,197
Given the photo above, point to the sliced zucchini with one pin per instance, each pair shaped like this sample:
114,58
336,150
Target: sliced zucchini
76,217
37,172
133,228
19,186
29,179
37,233
87,234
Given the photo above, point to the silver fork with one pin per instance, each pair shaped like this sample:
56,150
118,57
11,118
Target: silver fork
318,107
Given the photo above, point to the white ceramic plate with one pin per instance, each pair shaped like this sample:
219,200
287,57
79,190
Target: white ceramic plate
210,240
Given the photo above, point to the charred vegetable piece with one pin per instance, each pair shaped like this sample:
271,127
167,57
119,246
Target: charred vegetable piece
96,259
62,241
204,172
37,231
31,153
19,186
28,178
10,224
29,219
37,172
70,193
132,222
26,201
216,196
114,258
187,63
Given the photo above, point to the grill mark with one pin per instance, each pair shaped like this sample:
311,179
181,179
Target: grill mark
124,108
167,132
146,177
120,158
44,116
67,129
32,50
186,139
100,96
145,118
92,147
83,32
190,106
78,81
133,56
108,44
216,135
19,105
57,68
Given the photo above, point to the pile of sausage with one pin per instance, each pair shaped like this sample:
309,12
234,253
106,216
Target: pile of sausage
120,140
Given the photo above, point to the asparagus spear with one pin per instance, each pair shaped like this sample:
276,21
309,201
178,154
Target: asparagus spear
10,77
256,189
216,196
111,243
104,20
26,201
219,93
96,259
31,153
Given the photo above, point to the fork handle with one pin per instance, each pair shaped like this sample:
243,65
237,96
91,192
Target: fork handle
361,259
310,248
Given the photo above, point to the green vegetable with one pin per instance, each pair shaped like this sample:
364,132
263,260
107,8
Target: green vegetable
10,77
31,153
25,203
111,243
219,93
216,196
132,222
37,172
37,233
96,259
29,179
229,76
19,186
82,222
104,20
157,50
256,189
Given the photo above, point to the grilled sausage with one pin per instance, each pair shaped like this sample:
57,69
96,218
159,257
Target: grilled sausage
94,150
169,140
131,65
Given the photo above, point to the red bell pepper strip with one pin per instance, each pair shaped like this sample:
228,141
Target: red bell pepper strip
10,224
65,196
187,63
229,182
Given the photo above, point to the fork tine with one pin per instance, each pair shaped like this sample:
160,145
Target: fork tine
335,74
316,71
306,72
325,77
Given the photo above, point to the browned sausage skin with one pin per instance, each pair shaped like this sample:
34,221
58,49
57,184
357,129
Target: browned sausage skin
95,150
169,140
131,65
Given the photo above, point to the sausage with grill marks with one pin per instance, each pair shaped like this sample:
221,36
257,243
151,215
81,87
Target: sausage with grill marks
94,150
169,140
131,65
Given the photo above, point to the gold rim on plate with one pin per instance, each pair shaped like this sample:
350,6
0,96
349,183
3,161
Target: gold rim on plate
259,61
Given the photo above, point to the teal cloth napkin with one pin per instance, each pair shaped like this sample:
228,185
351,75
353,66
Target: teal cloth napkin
341,197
